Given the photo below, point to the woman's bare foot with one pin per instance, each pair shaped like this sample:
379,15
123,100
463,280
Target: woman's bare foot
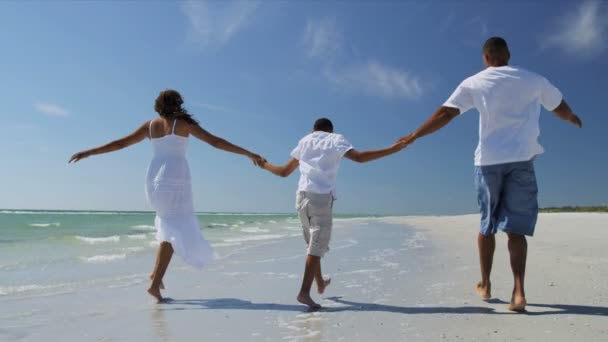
162,286
485,292
306,300
155,292
321,288
518,303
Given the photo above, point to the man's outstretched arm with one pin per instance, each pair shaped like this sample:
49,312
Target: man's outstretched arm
564,112
282,171
440,118
365,156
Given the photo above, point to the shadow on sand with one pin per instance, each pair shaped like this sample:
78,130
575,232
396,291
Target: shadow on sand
239,304
558,309
350,306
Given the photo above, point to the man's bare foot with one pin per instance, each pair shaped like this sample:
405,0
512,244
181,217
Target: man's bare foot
485,292
306,300
321,288
518,303
162,286
155,292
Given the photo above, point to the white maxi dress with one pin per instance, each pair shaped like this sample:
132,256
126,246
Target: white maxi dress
169,192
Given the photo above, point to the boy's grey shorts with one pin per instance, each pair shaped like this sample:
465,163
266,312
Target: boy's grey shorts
315,211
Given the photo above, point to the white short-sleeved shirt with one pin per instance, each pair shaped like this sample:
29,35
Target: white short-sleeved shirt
319,154
508,99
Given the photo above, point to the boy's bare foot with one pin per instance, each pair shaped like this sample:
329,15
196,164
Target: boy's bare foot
321,288
485,292
155,292
518,303
162,286
306,300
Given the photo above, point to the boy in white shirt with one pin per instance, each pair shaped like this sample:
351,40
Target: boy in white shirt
318,155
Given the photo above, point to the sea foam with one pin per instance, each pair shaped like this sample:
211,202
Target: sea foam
95,240
137,236
11,290
44,225
256,238
75,212
104,258
254,230
144,227
217,225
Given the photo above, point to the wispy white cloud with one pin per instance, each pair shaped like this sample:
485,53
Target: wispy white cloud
51,109
582,33
324,42
377,79
216,22
475,28
484,30
447,22
322,37
213,107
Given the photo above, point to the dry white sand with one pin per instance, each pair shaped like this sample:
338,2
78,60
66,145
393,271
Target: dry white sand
395,279
566,279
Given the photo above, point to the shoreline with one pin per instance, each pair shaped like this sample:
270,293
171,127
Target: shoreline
402,278
547,210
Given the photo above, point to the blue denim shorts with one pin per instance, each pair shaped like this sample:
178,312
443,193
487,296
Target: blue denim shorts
507,197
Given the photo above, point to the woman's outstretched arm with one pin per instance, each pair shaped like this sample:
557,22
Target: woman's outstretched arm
223,144
137,136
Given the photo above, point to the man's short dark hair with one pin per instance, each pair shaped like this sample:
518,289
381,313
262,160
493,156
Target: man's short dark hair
324,125
497,49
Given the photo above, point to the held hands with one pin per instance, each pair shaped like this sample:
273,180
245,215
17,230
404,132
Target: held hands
78,156
399,145
402,143
407,140
257,160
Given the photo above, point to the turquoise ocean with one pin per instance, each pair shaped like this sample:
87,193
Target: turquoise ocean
46,252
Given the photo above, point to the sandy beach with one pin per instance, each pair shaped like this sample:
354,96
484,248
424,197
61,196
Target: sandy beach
394,279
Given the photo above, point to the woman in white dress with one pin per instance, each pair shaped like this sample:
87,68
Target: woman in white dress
168,186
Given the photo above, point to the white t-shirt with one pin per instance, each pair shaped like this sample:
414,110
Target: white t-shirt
508,99
319,154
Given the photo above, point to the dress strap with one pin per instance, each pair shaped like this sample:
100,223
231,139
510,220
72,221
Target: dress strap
150,129
173,130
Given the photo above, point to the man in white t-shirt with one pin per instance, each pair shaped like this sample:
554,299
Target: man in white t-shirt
318,155
508,99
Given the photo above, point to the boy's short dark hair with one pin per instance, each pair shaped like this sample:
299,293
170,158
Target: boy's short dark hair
323,124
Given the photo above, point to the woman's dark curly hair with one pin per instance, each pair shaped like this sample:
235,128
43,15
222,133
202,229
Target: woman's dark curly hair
169,103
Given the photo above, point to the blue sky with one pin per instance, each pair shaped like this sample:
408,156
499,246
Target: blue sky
79,74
